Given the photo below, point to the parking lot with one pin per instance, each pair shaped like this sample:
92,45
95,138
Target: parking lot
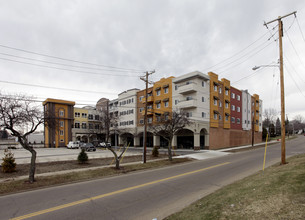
59,154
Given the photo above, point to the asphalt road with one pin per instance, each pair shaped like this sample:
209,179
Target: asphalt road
142,195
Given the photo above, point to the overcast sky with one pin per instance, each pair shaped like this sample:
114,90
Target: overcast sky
124,38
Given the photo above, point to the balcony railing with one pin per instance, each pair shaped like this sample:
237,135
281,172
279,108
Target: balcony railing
188,88
187,104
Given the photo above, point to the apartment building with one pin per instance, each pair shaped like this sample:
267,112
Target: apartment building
87,124
57,129
232,112
221,115
191,94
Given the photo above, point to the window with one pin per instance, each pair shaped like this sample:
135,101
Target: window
227,92
227,105
233,107
166,117
166,90
215,116
158,118
149,120
158,105
90,116
238,120
90,126
61,132
227,118
238,97
220,104
220,90
166,104
61,124
158,92
202,99
77,114
61,113
238,109
189,98
97,117
77,125
84,115
149,107
203,114
215,101
141,109
141,121
215,88
176,102
203,84
189,114
140,98
233,95
233,120
96,126
131,122
220,118
84,125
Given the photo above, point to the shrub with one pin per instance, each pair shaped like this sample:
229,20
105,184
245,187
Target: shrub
82,157
155,152
8,164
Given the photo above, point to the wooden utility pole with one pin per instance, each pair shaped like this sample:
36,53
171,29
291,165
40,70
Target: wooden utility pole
145,115
281,34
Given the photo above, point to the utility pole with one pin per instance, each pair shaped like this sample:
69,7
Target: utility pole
281,34
145,79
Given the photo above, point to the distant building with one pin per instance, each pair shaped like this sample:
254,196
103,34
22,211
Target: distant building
58,126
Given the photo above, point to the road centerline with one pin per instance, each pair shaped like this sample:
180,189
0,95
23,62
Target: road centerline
113,193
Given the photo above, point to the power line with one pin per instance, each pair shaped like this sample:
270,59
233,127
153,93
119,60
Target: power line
295,82
70,60
62,64
207,69
58,68
52,87
300,29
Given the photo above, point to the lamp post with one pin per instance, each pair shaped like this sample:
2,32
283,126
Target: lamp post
283,144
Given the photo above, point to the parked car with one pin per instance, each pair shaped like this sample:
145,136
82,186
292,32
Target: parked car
88,147
104,144
73,144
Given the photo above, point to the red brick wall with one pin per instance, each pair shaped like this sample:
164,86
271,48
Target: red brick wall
223,138
235,113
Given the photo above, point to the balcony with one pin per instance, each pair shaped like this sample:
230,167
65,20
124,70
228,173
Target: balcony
185,104
149,112
188,88
149,99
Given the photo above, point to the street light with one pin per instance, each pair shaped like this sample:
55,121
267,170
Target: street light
257,67
283,144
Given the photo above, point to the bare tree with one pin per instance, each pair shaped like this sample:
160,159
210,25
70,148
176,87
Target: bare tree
116,156
20,116
168,125
270,115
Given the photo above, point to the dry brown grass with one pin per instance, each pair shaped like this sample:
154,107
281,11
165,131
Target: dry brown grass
22,185
278,193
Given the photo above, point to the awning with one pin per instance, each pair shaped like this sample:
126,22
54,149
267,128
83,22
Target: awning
216,112
227,101
165,86
165,100
227,114
227,88
158,88
215,97
158,101
215,83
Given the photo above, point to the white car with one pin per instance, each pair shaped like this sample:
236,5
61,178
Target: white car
73,144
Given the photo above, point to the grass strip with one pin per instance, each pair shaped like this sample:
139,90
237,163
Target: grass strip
14,186
276,193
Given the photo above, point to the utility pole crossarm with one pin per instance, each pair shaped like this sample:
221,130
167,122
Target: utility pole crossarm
280,17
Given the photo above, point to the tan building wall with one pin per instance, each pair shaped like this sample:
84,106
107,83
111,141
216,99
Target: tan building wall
59,133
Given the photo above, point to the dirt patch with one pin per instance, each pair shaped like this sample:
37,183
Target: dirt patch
23,169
